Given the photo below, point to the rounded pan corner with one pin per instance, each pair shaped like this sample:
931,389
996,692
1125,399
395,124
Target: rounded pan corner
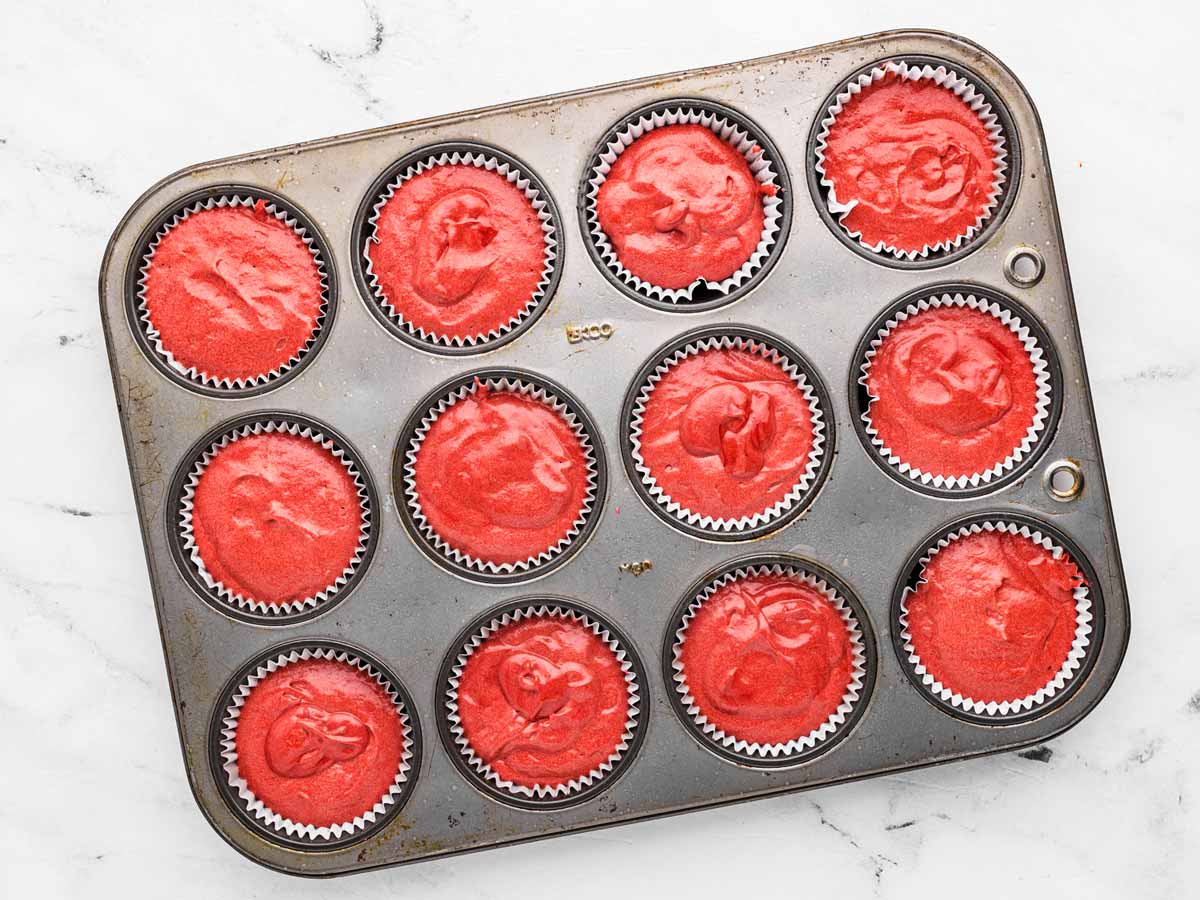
247,850
953,39
1106,676
143,200
226,836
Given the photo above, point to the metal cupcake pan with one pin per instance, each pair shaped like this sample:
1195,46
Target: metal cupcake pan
360,382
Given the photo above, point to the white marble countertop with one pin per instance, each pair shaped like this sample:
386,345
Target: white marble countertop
97,101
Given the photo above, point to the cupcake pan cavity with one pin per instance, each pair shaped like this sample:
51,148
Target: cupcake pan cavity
765,163
804,747
179,514
964,85
480,156
530,386
408,609
214,197
484,777
802,374
975,90
259,816
1089,622
1047,374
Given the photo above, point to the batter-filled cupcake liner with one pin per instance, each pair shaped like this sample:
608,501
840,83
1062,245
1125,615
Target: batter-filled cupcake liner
971,96
837,718
1075,656
514,385
191,372
519,179
782,506
1042,379
187,526
542,791
255,806
761,167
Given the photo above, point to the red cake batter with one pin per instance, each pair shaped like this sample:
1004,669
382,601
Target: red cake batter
680,204
918,161
459,251
501,476
233,292
767,658
995,618
954,391
726,433
276,517
543,701
319,742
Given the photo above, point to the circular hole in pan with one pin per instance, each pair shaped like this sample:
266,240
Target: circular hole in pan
133,276
910,575
187,566
239,807
860,399
362,231
703,297
480,571
1063,480
476,778
1012,175
746,757
1024,266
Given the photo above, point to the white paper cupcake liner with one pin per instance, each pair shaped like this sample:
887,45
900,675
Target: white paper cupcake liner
799,744
191,372
781,506
1041,373
1072,664
514,176
542,791
762,168
971,96
255,806
187,526
515,385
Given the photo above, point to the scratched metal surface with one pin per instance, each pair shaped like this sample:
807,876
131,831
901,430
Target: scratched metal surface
364,382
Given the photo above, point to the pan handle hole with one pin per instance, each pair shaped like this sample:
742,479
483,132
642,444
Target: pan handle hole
1024,266
1063,480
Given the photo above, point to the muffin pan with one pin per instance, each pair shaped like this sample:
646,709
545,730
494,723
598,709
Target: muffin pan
408,609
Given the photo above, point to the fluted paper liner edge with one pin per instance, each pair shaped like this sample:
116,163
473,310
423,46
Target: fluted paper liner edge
514,176
259,810
192,373
971,96
187,525
1071,665
836,720
543,791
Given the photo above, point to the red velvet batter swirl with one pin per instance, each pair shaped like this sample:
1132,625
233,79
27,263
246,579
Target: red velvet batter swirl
680,204
543,701
726,433
276,517
319,742
459,251
918,162
501,476
767,658
233,292
954,391
995,617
